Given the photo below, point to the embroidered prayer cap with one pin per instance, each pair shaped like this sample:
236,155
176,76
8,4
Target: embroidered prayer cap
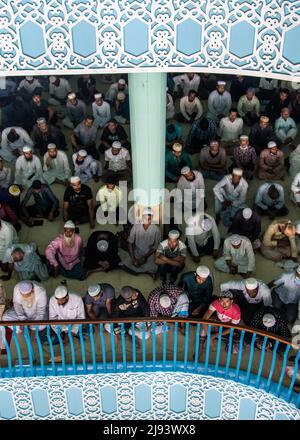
71,96
221,83
82,153
247,213
51,146
264,119
75,179
60,292
26,149
251,283
226,294
177,147
185,170
235,239
272,144
269,320
237,171
98,95
14,190
41,121
94,290
117,144
102,245
202,271
25,287
165,301
174,234
69,225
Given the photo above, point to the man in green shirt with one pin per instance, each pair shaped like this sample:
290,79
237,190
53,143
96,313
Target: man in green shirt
176,159
199,286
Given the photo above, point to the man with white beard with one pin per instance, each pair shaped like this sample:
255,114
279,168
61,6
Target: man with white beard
86,167
64,254
56,166
28,168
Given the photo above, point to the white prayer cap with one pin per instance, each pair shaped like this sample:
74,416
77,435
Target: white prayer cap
264,119
247,213
174,234
29,78
202,271
25,287
94,290
69,224
206,225
298,270
122,81
237,171
14,190
71,96
82,153
269,320
235,240
27,149
60,292
148,211
251,283
121,96
51,146
102,245
164,301
221,83
244,136
117,144
98,95
52,79
75,179
298,228
177,147
272,144
185,170
41,121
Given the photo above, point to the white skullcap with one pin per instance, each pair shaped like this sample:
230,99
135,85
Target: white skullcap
26,149
177,147
69,224
75,179
148,211
51,146
244,136
269,320
164,301
235,240
247,213
29,78
202,271
206,225
71,96
41,121
82,153
272,144
117,144
60,292
25,287
102,245
94,290
52,79
174,234
98,95
251,283
298,228
221,83
237,171
298,270
185,170
264,119
121,96
122,81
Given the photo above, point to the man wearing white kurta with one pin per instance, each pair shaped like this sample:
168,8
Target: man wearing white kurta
219,102
190,107
28,168
85,167
263,292
66,306
202,236
12,143
56,166
115,88
285,127
101,111
238,256
8,236
191,180
186,82
230,129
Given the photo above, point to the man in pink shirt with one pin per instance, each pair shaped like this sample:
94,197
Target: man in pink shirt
225,311
64,254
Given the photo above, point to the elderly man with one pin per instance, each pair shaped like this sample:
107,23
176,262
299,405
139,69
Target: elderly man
186,82
202,236
24,258
286,293
114,89
190,108
249,107
86,167
192,181
230,130
8,236
143,241
213,161
76,111
99,300
84,137
64,254
244,157
250,295
5,175
269,200
66,306
29,304
176,159
56,166
247,223
44,134
46,204
279,241
28,168
271,163
78,203
101,111
238,256
101,252
111,133
118,161
202,132
230,196
199,286
170,257
286,128
261,133
12,142
219,102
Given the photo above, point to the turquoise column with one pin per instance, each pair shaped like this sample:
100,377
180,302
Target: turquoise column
147,94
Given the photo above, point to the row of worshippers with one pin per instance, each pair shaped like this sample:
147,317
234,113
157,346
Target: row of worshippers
250,301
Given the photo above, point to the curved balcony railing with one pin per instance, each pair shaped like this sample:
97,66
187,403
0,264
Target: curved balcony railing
178,347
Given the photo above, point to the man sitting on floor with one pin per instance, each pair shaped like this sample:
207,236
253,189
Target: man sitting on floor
170,257
199,286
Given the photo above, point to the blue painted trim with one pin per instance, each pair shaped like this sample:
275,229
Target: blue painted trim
286,352
274,356
133,345
91,334
51,350
153,330
229,352
197,346
103,348
8,354
123,347
20,359
70,336
62,350
186,344
240,355
218,350
144,346
164,345
82,346
40,348
207,348
175,345
261,363
29,349
252,347
113,346
289,396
